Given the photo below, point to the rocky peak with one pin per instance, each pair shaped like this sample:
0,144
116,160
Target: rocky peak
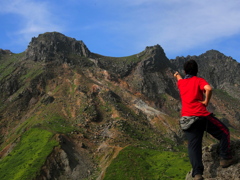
152,75
5,52
155,58
154,50
53,44
213,54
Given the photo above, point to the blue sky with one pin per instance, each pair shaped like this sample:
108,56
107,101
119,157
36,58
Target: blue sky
122,28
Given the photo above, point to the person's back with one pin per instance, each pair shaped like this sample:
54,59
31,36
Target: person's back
191,93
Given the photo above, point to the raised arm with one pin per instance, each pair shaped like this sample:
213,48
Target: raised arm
177,76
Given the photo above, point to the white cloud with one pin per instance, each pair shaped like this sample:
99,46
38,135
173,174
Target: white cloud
33,18
177,25
195,23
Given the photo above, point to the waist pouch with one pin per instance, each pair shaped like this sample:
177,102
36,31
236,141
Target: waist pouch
186,121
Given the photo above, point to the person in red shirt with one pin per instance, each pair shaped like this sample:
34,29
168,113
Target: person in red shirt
195,94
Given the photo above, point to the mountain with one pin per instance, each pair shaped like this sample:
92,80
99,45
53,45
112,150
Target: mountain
69,113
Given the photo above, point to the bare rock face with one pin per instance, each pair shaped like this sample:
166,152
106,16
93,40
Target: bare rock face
212,168
69,161
150,74
49,46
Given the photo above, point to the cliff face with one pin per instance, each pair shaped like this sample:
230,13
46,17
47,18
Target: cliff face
90,107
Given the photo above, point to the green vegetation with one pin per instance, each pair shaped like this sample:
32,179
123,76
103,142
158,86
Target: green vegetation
134,163
134,130
226,97
32,72
120,61
51,122
9,64
57,124
28,156
130,59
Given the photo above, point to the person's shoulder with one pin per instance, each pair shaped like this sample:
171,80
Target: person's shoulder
202,80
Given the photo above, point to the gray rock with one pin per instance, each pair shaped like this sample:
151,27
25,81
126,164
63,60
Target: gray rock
212,169
48,46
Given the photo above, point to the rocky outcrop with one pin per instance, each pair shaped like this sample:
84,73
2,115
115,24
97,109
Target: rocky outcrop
49,46
5,52
211,163
69,161
153,74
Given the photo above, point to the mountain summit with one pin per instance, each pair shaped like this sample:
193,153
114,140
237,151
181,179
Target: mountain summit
49,46
69,113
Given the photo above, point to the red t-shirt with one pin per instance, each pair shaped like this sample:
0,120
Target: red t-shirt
191,92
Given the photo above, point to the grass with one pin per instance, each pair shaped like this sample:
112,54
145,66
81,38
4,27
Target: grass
9,64
124,60
51,122
134,163
226,97
57,124
30,153
28,156
33,72
130,59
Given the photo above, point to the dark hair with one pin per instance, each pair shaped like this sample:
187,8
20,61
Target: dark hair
191,67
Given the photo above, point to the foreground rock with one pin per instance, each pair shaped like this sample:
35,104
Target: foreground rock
211,164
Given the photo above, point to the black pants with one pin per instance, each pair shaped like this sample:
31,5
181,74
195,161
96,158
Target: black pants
195,134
